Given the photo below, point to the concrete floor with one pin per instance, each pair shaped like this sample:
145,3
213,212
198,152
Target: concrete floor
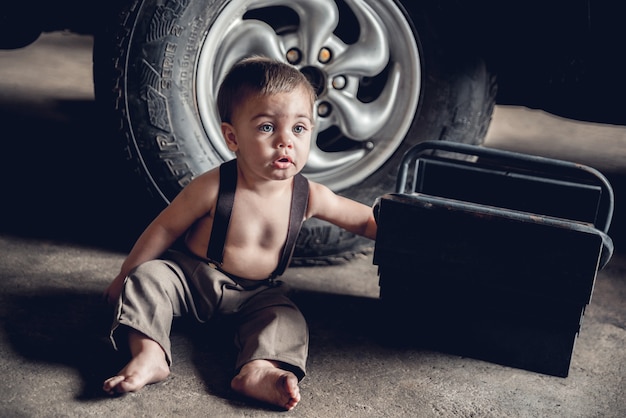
54,353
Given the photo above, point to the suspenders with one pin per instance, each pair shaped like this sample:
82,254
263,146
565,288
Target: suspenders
225,200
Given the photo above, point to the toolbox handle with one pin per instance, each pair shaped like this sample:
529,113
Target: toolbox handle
544,164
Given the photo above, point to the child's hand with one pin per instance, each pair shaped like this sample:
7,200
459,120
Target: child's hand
113,292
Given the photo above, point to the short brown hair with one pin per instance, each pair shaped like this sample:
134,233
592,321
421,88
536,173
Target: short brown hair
258,76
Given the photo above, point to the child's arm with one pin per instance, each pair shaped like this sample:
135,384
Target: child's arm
192,203
343,212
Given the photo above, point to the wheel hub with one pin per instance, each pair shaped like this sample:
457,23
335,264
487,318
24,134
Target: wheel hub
316,77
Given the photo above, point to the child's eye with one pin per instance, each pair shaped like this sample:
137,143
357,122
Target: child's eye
266,127
298,129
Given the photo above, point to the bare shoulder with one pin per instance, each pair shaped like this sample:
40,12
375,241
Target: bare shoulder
200,195
317,196
341,211
322,200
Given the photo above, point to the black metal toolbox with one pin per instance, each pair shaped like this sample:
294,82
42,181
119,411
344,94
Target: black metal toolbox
492,254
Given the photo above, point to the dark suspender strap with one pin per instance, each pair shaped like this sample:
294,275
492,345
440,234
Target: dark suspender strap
223,209
225,201
299,203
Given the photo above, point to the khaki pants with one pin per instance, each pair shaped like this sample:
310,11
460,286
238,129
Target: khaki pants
269,325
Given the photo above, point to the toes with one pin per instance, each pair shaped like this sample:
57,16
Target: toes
288,384
270,385
110,384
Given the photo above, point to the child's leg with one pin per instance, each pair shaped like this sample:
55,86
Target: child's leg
272,338
153,294
148,365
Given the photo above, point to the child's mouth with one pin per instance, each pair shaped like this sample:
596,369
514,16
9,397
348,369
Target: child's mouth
284,162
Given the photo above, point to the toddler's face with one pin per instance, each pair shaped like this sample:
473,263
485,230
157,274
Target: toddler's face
271,135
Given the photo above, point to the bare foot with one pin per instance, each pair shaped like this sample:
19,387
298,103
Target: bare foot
147,366
265,381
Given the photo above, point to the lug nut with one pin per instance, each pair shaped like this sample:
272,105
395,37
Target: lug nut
324,109
324,55
294,56
339,82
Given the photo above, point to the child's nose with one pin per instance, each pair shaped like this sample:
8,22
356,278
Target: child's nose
285,141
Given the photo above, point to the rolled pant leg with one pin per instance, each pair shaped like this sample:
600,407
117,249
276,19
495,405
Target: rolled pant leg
154,293
271,327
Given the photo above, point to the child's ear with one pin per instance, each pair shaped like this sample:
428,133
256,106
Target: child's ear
228,132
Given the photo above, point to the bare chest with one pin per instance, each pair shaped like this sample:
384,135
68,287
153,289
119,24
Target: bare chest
258,224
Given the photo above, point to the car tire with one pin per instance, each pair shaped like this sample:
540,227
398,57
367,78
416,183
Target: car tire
389,74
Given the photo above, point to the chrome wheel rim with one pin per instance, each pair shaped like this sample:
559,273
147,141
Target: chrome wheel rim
361,55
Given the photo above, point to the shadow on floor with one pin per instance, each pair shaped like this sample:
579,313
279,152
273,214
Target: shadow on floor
65,178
